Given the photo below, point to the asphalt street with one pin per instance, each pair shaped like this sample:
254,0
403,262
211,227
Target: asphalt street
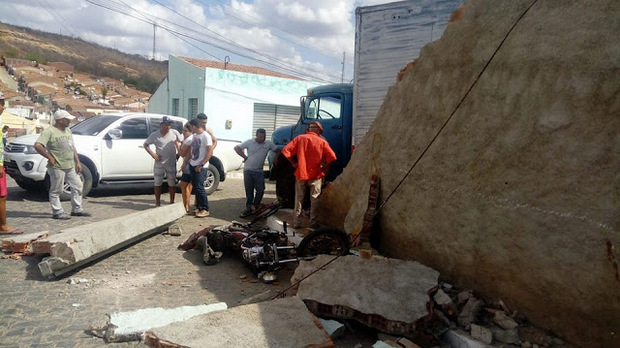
37,312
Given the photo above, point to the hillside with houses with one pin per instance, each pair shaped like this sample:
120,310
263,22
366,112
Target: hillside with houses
40,72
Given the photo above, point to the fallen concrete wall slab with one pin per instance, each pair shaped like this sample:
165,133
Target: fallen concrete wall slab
279,323
372,287
129,326
508,179
76,246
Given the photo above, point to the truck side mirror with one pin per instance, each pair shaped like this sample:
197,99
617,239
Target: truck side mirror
302,107
115,134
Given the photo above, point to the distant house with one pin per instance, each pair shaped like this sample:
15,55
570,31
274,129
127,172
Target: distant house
238,99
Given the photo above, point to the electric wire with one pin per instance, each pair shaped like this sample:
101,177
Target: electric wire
114,6
300,41
471,87
230,41
57,15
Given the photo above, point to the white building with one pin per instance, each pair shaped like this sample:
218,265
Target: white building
238,99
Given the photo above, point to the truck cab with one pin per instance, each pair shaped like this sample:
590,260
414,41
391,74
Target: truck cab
332,106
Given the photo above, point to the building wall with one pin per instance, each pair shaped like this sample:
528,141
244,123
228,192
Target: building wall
504,177
158,103
225,96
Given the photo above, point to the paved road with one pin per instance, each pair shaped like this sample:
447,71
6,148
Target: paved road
35,312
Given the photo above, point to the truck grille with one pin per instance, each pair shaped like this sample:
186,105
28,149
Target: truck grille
10,147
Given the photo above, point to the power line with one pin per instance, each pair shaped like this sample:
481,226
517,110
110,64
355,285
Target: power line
300,41
139,15
61,20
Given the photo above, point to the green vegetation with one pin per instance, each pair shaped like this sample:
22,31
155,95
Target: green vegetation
36,57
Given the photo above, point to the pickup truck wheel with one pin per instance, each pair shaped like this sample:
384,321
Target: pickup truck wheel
213,179
87,179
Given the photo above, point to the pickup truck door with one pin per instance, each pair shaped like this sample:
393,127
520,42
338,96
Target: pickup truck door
125,158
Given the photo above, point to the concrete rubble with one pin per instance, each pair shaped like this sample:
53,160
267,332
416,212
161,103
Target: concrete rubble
279,323
405,298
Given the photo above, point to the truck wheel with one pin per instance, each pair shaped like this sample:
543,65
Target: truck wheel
213,179
284,174
87,179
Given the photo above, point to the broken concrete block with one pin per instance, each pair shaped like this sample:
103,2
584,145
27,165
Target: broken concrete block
470,311
50,264
445,302
504,321
21,243
283,322
405,343
333,328
460,339
481,333
82,244
394,290
385,344
463,296
506,336
129,326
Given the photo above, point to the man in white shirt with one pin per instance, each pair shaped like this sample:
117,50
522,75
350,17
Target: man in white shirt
166,141
253,176
201,151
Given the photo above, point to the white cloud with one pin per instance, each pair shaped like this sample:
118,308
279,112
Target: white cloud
310,36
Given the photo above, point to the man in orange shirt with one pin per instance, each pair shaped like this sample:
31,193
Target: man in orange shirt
311,156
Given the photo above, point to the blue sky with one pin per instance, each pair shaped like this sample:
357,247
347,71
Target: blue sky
301,37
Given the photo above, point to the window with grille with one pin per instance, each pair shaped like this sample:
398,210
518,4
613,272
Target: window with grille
192,108
175,107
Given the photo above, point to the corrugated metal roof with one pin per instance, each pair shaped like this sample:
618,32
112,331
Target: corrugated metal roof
202,63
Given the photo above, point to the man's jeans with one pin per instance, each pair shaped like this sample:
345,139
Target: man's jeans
198,180
253,181
57,180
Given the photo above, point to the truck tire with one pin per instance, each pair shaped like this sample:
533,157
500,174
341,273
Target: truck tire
284,174
213,179
87,179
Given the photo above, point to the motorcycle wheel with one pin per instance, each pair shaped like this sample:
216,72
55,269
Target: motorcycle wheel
328,241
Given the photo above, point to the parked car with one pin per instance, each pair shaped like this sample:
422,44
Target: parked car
111,150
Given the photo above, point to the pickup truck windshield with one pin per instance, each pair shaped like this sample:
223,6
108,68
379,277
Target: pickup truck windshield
94,125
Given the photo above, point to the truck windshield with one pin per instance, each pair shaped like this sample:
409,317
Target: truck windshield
93,125
327,107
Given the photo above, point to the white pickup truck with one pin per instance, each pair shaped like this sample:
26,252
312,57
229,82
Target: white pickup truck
111,149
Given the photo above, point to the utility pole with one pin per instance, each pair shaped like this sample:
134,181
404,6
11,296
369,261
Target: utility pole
342,75
154,29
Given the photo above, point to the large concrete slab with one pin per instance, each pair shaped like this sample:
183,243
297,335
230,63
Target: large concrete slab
394,289
77,245
279,323
513,115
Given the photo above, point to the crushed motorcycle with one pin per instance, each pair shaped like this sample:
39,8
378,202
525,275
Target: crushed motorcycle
265,250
